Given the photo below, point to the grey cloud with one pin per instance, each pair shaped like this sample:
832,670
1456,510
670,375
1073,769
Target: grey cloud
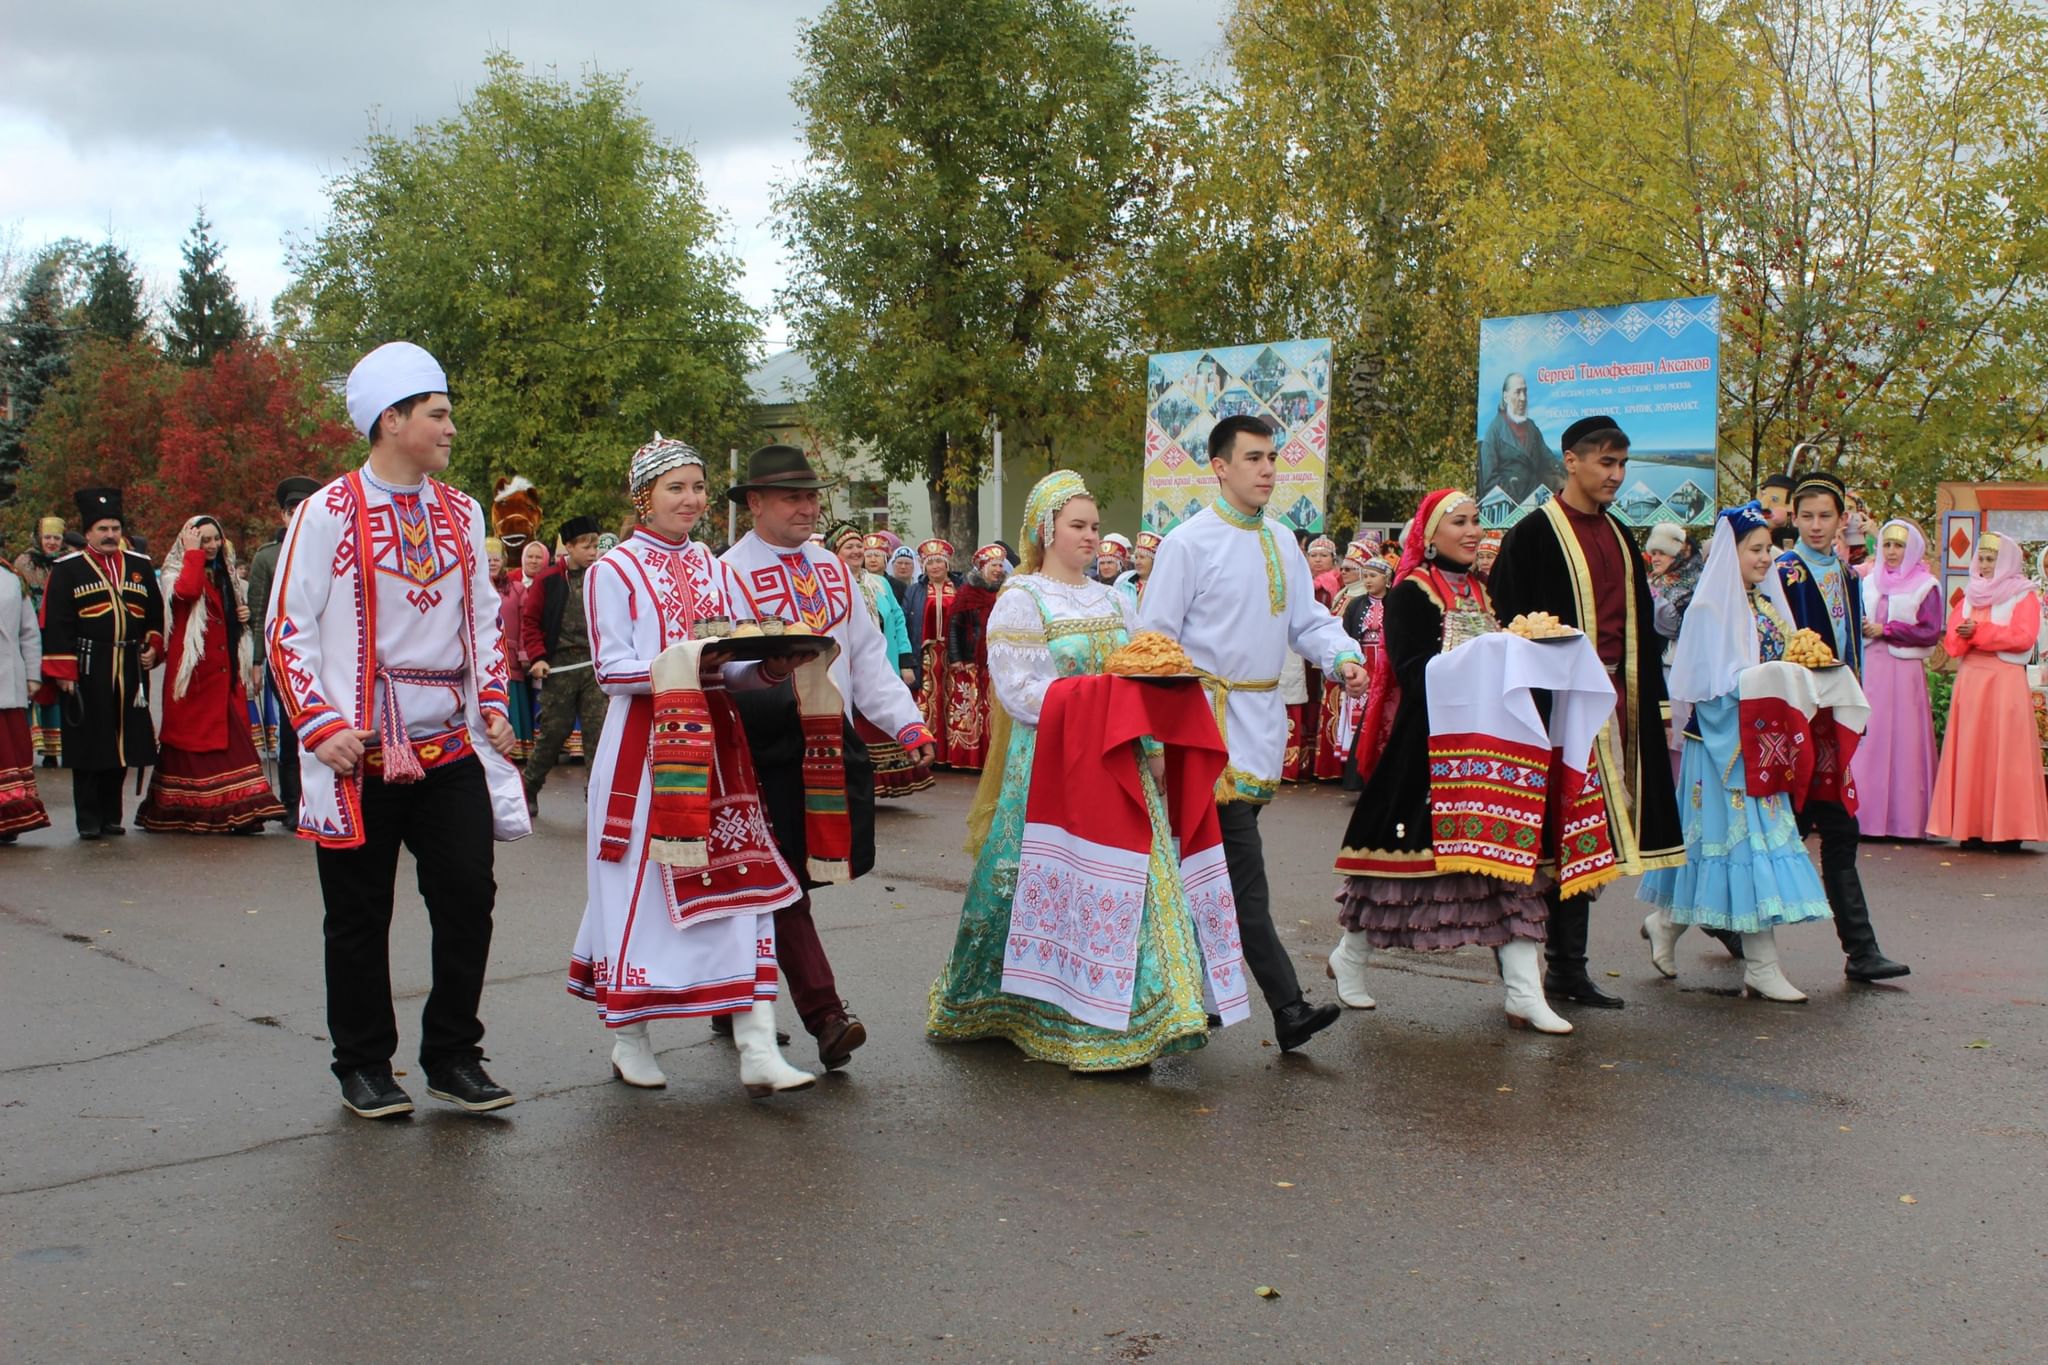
301,79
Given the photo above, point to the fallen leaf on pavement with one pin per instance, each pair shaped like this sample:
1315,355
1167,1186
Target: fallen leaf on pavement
1979,1043
1907,1199
1267,1291
1284,1184
1504,1090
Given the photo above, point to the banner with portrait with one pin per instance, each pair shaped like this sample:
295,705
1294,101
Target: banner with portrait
1188,392
1653,367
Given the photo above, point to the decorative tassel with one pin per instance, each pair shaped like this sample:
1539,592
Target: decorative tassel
401,764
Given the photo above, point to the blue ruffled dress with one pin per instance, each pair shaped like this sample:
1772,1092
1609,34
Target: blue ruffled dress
1746,868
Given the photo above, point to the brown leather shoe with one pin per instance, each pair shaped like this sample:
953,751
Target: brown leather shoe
840,1034
721,1027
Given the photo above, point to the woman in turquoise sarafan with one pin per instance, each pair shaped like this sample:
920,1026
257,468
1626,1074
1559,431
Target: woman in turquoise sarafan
1746,869
1053,622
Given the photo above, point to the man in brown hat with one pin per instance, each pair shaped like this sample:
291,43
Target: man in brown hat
785,574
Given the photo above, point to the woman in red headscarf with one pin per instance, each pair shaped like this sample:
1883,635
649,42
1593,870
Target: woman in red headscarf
967,694
1989,787
208,779
1394,896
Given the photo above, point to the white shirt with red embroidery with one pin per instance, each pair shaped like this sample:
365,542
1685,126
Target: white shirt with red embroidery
808,583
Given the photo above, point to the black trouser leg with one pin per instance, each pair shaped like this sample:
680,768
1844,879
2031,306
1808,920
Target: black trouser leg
110,795
86,799
1263,952
448,831
1564,946
356,887
287,764
1840,839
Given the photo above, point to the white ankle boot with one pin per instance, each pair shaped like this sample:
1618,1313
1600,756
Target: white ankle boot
633,1058
1347,969
1520,968
763,1071
1761,975
1663,933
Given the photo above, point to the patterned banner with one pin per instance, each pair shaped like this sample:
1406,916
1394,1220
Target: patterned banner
1188,392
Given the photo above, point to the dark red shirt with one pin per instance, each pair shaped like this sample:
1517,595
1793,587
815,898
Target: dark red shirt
1609,563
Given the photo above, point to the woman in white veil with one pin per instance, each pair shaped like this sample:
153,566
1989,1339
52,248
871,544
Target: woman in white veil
1746,869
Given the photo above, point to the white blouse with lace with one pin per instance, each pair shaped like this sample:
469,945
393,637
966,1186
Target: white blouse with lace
1020,661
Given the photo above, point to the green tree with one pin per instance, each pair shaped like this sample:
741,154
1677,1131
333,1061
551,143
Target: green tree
205,316
557,256
113,308
980,172
37,339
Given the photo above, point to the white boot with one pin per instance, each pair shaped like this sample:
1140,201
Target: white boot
1347,969
1761,975
763,1071
1663,933
633,1058
1520,968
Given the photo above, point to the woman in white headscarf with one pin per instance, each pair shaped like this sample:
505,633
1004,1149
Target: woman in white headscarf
1746,869
208,779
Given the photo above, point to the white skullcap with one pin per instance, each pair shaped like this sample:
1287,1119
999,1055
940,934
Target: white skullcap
392,373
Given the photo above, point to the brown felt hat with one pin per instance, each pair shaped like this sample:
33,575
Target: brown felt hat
773,467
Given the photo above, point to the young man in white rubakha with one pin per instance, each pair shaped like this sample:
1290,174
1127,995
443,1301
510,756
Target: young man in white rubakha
1233,587
383,638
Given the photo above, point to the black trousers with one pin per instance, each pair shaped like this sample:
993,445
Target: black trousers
287,759
445,821
1840,840
1570,925
1245,852
96,798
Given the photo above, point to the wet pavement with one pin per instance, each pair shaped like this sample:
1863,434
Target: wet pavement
1696,1177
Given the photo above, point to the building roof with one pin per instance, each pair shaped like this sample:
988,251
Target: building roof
783,378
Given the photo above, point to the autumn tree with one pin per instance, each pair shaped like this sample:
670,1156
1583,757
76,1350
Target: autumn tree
205,318
99,424
232,430
556,254
979,174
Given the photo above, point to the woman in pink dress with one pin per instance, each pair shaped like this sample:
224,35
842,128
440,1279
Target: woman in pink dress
1901,623
1989,787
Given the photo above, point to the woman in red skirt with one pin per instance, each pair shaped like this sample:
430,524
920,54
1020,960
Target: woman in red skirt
21,668
208,779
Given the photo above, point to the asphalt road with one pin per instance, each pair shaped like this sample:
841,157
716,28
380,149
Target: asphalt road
1696,1177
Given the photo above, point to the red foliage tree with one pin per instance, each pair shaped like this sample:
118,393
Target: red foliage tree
234,428
99,425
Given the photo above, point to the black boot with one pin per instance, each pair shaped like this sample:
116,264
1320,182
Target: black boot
1295,1024
1853,928
1564,953
1728,939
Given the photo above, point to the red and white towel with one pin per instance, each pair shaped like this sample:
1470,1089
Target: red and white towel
1087,855
1800,729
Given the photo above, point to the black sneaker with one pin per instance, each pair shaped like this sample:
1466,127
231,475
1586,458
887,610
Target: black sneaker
465,1086
369,1092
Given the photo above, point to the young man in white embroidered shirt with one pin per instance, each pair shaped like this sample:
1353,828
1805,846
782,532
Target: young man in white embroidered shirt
383,634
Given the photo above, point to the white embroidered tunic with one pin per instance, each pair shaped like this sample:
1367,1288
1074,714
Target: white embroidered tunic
1237,593
418,630
811,585
1020,662
630,957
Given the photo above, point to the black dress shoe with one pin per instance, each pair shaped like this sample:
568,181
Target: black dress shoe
89,835
1580,989
465,1086
114,831
721,1027
838,1036
1297,1023
1875,967
369,1092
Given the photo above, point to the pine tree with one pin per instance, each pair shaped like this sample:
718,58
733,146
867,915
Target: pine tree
206,318
36,355
113,295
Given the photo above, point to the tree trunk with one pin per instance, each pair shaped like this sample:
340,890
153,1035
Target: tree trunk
956,513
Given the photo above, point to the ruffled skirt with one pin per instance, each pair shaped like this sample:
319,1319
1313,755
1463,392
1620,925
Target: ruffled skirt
1452,910
1746,868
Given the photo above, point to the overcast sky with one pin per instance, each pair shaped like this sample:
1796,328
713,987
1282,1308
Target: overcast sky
123,117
